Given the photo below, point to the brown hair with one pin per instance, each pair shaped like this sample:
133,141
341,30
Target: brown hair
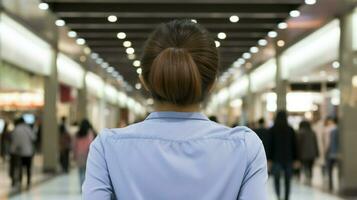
180,62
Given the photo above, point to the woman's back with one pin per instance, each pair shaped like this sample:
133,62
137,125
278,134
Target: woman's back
179,160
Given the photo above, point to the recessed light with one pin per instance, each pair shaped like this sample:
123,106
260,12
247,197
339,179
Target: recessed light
72,34
112,18
60,22
234,19
110,69
194,20
272,34
218,44
310,2
139,71
221,35
131,56
136,63
262,42
330,78
247,55
80,41
87,50
236,64
99,61
254,49
283,25
94,55
105,65
127,44
336,64
294,13
280,43
130,50
121,35
43,6
138,86
241,61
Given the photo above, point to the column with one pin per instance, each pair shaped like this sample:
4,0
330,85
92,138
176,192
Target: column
250,102
348,106
82,101
281,86
50,126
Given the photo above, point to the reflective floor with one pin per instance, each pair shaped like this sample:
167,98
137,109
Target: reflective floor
67,187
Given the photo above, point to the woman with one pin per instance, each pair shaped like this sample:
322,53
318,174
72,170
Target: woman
83,139
177,152
308,148
282,152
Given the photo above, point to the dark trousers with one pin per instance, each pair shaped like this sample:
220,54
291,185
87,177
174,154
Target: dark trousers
15,163
307,167
286,170
64,160
26,162
331,163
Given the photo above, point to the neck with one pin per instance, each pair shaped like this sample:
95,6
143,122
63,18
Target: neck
176,108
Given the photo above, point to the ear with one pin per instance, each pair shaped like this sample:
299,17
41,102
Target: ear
143,82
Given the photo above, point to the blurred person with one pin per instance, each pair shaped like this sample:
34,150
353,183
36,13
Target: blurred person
37,129
329,125
282,153
318,128
5,141
308,149
84,138
23,150
332,152
263,134
177,152
64,145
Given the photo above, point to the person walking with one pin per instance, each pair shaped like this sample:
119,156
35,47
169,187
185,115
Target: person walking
23,150
84,138
308,149
177,153
264,134
283,152
65,142
332,155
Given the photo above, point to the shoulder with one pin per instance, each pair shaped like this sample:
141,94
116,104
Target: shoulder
248,136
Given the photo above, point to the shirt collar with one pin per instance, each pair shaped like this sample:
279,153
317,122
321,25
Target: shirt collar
177,115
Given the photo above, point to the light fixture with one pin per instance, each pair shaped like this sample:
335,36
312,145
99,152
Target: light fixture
131,56
150,101
60,22
241,61
218,44
87,50
127,44
99,61
247,55
272,34
236,64
72,34
105,65
294,13
130,50
254,49
80,41
136,63
94,55
262,42
283,25
354,81
43,6
121,35
110,69
194,20
112,18
221,35
280,43
138,86
139,71
234,19
310,2
330,78
336,64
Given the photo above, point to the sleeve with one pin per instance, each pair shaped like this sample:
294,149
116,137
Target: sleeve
256,175
97,184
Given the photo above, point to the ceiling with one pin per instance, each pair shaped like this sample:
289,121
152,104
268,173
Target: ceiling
138,18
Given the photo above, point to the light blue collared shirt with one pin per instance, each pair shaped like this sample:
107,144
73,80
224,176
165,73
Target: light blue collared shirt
176,156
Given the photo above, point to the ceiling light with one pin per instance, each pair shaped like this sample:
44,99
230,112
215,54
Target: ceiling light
247,55
280,43
127,44
336,64
354,81
139,71
80,41
236,64
110,69
131,56
241,61
193,20
138,86
121,35
310,2
60,22
330,78
136,63
130,50
94,55
218,44
87,50
150,101
99,61
222,35
112,18
72,34
262,42
254,49
43,6
283,25
294,13
105,65
272,34
234,19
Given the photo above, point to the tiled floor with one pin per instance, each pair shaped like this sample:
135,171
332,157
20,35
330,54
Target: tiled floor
67,187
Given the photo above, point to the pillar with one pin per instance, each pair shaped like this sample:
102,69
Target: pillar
348,106
50,126
82,101
250,102
281,86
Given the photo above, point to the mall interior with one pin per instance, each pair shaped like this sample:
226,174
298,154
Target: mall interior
80,59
